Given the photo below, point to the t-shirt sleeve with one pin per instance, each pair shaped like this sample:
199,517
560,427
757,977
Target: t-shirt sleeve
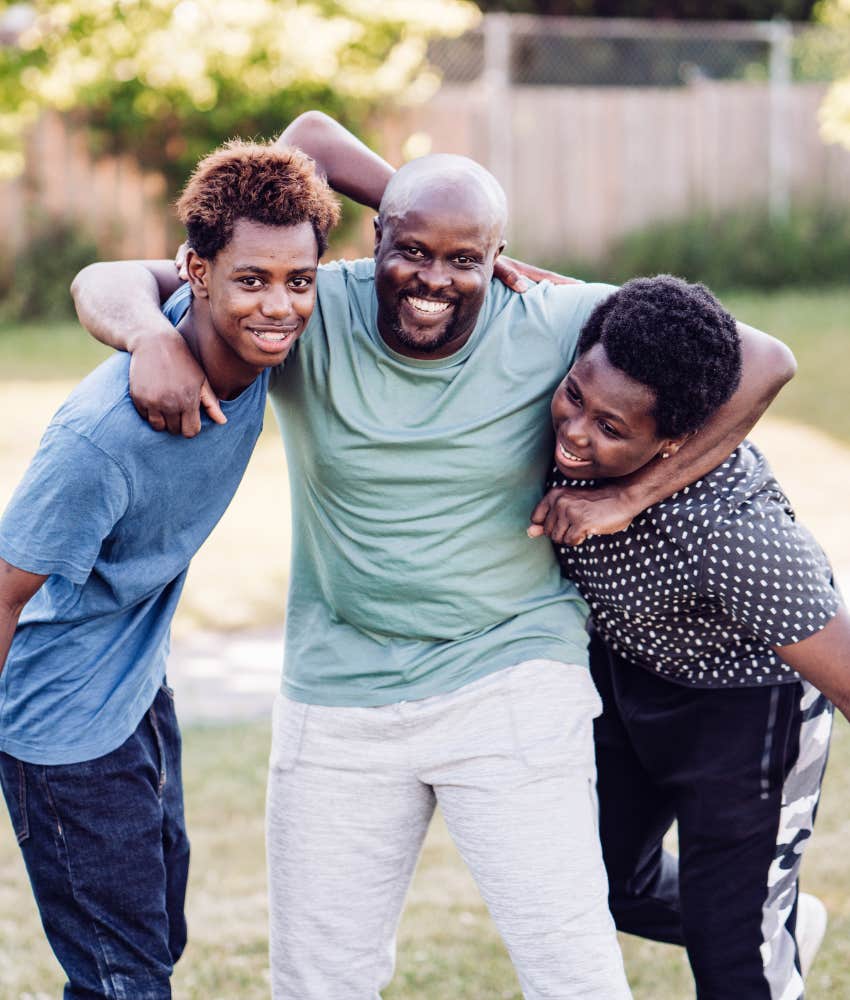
71,497
568,307
770,575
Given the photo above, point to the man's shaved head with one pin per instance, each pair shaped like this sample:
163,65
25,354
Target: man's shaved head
448,173
437,237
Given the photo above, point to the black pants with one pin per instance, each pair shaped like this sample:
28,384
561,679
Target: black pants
740,771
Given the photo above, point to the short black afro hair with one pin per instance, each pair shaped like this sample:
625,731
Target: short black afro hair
674,338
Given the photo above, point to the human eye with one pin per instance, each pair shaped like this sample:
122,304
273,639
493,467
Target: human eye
571,393
609,430
301,283
250,281
464,260
414,252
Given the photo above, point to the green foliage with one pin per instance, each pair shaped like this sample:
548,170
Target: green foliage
835,111
745,248
168,81
35,284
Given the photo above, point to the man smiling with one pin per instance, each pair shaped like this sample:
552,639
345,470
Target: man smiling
434,654
91,572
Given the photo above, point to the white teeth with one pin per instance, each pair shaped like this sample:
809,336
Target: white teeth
569,455
428,305
273,338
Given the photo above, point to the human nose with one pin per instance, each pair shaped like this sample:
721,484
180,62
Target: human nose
434,275
575,430
277,303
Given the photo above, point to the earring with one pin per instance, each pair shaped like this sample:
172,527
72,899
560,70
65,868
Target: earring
665,454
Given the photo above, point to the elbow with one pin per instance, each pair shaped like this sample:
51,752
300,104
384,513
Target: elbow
784,362
308,131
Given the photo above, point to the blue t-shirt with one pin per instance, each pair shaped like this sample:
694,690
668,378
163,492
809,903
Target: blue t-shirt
113,512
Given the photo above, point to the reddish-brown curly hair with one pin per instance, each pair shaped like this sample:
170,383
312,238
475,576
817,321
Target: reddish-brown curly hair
255,181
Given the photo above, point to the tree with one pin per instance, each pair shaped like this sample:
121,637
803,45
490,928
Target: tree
168,80
835,109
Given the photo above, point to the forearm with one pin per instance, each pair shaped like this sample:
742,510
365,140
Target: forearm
767,364
119,302
350,166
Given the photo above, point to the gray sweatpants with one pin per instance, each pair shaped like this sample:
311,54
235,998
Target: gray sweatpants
510,760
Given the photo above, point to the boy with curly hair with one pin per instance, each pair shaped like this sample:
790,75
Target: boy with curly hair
91,572
716,628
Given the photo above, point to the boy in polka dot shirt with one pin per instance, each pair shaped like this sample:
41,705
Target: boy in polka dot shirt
716,634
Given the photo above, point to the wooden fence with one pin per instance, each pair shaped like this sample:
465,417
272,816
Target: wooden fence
581,165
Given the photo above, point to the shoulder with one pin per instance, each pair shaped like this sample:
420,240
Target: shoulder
555,311
339,275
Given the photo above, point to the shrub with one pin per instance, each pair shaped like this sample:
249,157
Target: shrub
35,284
745,248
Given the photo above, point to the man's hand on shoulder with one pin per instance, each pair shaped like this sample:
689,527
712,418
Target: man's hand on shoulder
168,386
515,274
569,515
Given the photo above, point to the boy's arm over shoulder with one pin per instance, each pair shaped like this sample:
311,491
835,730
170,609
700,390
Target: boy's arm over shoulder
767,364
118,302
17,586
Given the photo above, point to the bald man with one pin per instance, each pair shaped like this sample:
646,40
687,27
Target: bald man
434,653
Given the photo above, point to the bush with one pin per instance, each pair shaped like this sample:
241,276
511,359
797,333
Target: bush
35,284
741,249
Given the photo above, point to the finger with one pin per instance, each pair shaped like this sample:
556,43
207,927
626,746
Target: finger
154,418
556,523
190,423
575,535
210,403
538,515
173,422
534,531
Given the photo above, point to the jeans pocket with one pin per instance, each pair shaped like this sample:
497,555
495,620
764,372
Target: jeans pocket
14,779
288,720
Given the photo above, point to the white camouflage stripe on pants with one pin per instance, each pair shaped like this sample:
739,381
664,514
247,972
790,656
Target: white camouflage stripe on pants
510,761
800,794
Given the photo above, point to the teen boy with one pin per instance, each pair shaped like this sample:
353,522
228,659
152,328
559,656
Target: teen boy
704,608
91,571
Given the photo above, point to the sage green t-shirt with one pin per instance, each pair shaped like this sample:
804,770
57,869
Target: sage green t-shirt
412,485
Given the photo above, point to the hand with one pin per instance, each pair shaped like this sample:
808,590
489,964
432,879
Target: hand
168,386
514,273
569,515
180,262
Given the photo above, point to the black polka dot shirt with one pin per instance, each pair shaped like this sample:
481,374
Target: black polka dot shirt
700,585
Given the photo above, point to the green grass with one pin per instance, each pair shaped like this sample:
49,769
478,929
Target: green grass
448,947
816,326
40,351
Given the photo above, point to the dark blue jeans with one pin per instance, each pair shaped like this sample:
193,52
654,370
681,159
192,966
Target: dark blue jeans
105,846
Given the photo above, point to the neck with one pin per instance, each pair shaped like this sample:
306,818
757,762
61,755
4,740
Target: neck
227,374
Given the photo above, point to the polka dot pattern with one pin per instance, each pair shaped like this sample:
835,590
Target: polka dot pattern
700,585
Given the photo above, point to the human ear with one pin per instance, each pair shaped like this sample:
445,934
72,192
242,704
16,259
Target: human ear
197,269
379,231
669,447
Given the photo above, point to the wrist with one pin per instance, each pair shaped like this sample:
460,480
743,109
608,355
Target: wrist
162,335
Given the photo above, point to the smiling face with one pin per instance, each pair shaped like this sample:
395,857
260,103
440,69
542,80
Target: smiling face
260,289
433,264
604,422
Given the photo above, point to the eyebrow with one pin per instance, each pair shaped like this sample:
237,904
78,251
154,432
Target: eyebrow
607,414
264,272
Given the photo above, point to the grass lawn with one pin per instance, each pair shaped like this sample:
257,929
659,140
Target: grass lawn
448,947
